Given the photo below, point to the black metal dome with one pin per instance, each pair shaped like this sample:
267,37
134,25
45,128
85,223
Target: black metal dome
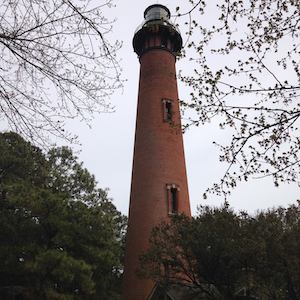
156,11
157,21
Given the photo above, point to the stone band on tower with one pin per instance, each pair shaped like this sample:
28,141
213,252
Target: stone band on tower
159,182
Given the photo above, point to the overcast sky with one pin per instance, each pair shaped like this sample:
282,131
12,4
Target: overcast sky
107,148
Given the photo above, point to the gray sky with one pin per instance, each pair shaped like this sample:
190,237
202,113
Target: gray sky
107,148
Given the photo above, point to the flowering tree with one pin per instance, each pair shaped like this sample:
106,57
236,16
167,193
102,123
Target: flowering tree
246,77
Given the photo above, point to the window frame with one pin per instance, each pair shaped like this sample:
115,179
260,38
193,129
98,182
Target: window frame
173,204
168,113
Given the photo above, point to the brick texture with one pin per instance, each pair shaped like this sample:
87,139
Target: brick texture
158,161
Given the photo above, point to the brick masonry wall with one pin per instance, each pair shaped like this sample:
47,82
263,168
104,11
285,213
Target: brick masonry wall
158,160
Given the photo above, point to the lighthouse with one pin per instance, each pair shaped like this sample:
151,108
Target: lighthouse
159,186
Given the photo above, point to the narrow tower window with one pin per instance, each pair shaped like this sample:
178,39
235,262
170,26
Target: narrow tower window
168,110
174,203
172,197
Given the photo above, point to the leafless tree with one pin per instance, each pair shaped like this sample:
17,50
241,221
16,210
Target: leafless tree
56,63
246,77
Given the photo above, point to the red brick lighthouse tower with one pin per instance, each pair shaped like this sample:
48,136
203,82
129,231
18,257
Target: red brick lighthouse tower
159,183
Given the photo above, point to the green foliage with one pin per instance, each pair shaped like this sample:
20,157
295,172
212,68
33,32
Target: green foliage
61,237
228,255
